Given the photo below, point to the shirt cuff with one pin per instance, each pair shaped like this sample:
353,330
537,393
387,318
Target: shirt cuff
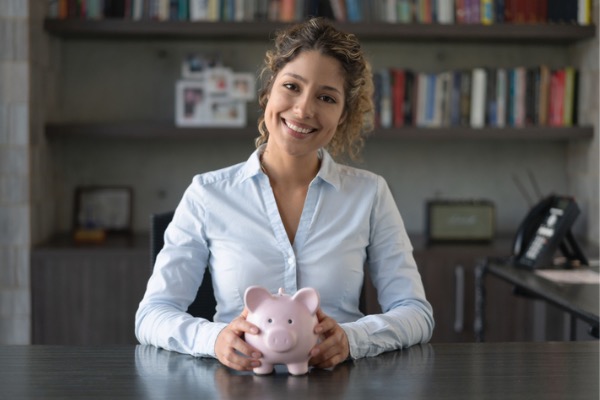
211,332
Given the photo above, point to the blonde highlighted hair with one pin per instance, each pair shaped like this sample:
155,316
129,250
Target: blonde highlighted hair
318,34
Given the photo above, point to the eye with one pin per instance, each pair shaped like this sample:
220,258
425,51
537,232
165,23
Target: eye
270,321
290,86
328,99
290,321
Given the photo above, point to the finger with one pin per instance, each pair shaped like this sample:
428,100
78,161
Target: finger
235,353
240,326
325,324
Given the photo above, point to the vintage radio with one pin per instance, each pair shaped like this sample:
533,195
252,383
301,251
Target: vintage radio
460,221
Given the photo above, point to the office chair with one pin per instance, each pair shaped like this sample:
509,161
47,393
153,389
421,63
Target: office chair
205,304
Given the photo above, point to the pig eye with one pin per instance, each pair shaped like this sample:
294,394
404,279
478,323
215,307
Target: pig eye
290,321
270,320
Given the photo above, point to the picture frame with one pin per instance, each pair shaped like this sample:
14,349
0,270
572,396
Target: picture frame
195,106
218,80
227,113
195,65
243,86
191,102
109,208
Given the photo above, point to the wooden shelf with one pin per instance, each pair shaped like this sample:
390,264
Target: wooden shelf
124,28
149,130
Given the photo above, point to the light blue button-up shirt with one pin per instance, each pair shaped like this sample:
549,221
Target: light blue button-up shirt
228,221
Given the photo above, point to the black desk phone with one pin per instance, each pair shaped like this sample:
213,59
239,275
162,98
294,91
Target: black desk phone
545,230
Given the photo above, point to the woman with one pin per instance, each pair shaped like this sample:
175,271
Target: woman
291,217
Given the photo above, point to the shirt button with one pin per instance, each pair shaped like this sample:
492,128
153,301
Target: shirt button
291,260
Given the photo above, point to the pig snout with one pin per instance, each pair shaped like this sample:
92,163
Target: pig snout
280,339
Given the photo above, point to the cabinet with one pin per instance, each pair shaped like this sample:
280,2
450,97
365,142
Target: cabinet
88,294
448,273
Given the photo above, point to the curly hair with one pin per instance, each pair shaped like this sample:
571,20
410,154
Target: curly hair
320,35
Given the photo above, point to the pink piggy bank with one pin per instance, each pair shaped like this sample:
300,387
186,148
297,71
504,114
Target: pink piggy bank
286,324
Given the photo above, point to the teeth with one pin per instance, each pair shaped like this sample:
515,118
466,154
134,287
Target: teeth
297,128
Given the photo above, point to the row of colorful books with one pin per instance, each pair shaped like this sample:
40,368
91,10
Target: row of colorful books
390,11
478,97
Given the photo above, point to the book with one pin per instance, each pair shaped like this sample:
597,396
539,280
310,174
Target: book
501,96
398,96
377,99
460,11
389,11
491,96
198,10
499,11
465,98
421,98
569,98
487,12
455,100
386,98
353,11
445,11
430,100
544,90
478,89
584,12
445,98
531,96
405,11
519,97
287,10
556,97
410,95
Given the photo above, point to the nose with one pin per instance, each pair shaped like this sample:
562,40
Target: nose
304,108
281,340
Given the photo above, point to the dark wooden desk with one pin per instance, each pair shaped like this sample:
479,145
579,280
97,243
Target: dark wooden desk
581,301
549,370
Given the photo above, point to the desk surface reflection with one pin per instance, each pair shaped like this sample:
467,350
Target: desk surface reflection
453,371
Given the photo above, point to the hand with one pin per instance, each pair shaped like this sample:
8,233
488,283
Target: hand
232,350
333,348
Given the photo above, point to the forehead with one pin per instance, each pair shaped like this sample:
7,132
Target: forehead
316,68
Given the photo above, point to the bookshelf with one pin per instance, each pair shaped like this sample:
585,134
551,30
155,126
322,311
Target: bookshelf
143,30
89,151
147,130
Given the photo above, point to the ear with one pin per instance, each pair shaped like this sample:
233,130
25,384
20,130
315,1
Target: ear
255,296
309,297
343,117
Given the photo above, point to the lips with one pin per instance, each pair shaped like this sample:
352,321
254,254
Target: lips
298,129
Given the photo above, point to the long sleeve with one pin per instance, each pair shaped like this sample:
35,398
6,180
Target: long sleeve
407,317
161,319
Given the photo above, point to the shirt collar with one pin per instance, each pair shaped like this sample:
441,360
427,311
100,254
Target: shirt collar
329,171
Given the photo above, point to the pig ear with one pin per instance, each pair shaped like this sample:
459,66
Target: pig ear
309,297
254,296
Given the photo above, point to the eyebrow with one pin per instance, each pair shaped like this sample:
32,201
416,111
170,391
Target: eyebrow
301,78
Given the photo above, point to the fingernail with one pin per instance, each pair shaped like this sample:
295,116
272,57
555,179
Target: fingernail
255,364
254,330
314,352
318,329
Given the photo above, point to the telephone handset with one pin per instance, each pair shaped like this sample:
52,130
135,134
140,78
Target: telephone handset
546,229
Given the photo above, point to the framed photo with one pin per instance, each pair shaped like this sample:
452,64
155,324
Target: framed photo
195,65
243,86
191,100
218,80
227,113
103,207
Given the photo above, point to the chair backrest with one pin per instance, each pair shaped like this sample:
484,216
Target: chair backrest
205,304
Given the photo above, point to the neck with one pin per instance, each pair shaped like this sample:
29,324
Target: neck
290,171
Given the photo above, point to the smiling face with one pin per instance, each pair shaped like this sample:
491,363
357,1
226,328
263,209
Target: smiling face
306,105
